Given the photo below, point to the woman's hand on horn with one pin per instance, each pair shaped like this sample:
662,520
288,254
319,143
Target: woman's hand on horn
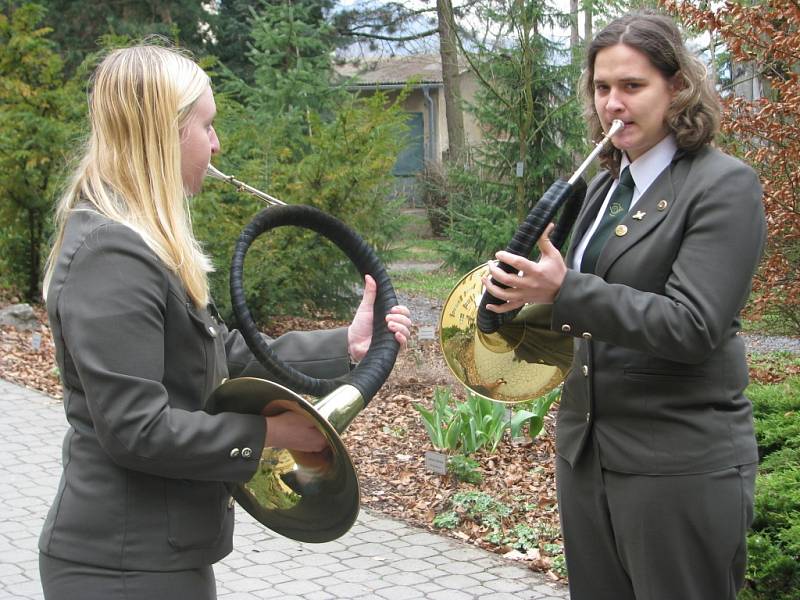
359,334
293,431
534,282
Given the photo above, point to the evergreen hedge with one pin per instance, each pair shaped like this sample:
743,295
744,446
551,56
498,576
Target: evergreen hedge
773,571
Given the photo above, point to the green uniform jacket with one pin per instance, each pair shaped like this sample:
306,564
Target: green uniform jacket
143,464
659,371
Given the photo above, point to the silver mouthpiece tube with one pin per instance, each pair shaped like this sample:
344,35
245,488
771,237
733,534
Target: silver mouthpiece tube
212,171
616,127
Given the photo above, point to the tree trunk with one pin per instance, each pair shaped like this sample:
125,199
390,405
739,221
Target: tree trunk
34,245
588,32
574,36
448,50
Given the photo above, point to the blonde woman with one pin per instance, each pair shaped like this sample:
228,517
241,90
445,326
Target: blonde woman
656,451
141,511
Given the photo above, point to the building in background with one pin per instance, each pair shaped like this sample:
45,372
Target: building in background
427,136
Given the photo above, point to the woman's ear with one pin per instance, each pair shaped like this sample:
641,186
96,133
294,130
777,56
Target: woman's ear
676,83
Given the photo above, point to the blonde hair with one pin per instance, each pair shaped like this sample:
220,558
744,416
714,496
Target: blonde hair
694,114
141,98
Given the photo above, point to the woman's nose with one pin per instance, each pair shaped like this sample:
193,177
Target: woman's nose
215,146
614,103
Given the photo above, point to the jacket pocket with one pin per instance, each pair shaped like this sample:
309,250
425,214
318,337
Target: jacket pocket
662,375
196,513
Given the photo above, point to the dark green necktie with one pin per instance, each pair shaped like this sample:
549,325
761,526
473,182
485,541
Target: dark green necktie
617,208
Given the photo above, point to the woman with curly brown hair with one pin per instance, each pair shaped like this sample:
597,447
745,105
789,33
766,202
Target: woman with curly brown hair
656,451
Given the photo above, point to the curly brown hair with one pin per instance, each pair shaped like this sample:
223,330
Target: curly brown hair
693,116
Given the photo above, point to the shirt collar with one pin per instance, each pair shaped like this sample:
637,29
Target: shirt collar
649,165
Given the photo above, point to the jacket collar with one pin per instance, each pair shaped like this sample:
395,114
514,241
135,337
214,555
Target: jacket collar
650,210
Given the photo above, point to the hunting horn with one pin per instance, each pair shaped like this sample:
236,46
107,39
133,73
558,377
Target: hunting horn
309,497
492,354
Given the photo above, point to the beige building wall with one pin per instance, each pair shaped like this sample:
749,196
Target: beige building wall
469,87
472,132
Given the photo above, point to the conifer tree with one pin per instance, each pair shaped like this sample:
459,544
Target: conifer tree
38,113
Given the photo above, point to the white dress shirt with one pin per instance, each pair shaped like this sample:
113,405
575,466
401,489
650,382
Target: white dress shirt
644,171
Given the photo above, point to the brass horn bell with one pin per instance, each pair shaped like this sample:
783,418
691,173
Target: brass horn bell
305,496
520,362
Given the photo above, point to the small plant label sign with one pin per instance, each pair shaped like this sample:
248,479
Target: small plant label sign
426,333
436,462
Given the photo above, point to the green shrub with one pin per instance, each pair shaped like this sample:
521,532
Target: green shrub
773,571
479,222
340,165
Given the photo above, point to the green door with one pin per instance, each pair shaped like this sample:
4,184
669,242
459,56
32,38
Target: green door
412,159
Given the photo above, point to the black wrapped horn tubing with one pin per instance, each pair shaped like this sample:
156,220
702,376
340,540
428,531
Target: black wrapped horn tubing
569,213
376,366
526,236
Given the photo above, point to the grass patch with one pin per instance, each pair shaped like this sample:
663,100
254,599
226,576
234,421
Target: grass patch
419,250
431,284
769,324
782,360
435,284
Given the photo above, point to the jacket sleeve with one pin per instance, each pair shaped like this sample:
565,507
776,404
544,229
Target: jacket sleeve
706,287
111,309
322,354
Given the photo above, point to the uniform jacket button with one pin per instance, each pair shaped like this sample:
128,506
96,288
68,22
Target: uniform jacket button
247,453
585,370
587,335
588,416
566,328
234,453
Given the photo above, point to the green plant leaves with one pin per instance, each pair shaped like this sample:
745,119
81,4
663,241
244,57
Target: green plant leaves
478,422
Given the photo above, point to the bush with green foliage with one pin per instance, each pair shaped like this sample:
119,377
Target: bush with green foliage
297,136
773,570
479,219
343,169
39,116
526,106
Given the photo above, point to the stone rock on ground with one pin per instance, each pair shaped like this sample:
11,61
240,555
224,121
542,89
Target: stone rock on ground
20,316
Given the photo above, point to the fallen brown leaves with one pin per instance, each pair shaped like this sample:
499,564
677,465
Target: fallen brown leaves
773,373
28,357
